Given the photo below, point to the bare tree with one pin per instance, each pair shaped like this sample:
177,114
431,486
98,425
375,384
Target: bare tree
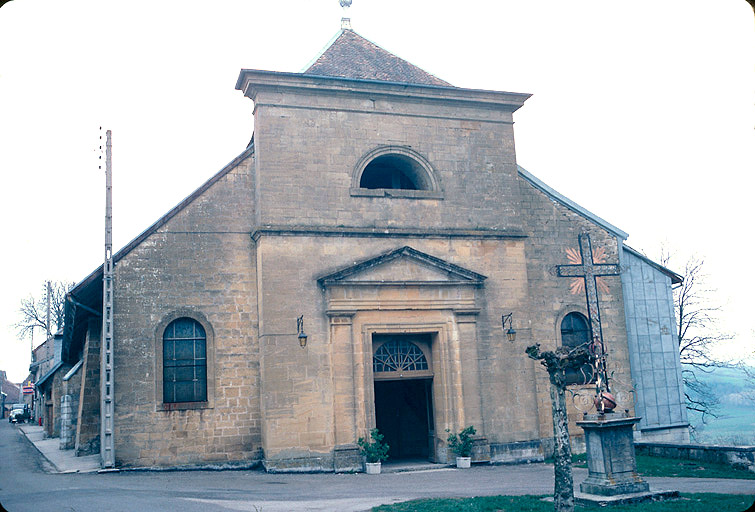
698,332
34,310
557,363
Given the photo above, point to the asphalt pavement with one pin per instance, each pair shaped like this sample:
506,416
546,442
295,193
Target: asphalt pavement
31,482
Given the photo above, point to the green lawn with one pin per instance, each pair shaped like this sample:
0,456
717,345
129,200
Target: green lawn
648,465
687,503
659,466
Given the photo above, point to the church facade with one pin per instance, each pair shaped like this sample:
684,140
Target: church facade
350,270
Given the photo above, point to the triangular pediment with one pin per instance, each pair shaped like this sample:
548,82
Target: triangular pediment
404,266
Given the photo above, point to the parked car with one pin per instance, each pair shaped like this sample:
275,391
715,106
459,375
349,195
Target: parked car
19,413
16,416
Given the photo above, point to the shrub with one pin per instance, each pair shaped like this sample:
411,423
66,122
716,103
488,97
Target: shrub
375,450
461,444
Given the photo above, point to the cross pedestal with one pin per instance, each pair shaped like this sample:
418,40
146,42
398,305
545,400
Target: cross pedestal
610,455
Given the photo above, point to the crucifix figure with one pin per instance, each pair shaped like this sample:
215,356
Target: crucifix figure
588,270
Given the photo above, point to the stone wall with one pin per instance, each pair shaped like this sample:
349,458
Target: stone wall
69,406
87,441
199,264
739,456
44,357
67,422
553,229
301,406
53,393
466,137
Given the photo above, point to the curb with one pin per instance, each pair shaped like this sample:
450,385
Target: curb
51,463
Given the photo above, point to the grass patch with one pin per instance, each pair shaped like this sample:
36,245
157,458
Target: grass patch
687,503
648,465
578,460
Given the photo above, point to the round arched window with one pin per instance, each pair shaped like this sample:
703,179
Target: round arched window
184,361
575,332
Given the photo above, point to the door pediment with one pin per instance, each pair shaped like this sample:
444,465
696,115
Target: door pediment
404,266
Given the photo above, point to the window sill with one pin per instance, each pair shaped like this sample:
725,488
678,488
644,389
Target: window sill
400,193
183,406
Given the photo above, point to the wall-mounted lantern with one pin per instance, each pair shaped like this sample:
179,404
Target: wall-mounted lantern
510,333
300,334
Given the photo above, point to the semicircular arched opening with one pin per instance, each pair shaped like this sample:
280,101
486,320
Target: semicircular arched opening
394,172
396,168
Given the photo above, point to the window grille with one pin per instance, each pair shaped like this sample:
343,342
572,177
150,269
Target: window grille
184,362
576,332
399,356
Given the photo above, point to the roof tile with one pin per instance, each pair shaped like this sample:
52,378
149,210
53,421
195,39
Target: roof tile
352,56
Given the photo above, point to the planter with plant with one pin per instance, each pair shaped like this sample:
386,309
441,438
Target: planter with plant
374,451
461,445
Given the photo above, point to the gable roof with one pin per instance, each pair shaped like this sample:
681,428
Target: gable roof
560,198
86,297
40,382
352,56
675,278
96,274
456,274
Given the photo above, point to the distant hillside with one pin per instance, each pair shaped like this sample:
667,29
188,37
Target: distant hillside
735,423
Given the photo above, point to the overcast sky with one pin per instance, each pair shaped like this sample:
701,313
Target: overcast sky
642,112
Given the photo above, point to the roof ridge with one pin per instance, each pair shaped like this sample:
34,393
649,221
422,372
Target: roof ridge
351,55
324,49
557,196
117,256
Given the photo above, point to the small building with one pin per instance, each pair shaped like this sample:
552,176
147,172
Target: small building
48,370
10,393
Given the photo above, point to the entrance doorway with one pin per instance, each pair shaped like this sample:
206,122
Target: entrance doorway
403,414
402,368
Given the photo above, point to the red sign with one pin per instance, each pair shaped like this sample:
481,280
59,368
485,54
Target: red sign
29,389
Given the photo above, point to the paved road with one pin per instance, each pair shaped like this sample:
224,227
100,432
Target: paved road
25,486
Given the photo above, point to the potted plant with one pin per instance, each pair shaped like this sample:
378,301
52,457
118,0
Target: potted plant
461,445
374,451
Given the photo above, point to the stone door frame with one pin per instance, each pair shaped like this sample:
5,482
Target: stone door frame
454,404
404,292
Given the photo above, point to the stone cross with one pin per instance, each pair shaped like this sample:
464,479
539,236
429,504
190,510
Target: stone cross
589,270
345,22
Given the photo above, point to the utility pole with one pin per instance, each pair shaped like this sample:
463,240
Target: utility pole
107,449
49,292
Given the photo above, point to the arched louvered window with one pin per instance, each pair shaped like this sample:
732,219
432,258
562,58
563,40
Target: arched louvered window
184,362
